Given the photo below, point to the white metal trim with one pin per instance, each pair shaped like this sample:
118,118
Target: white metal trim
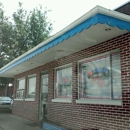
102,102
29,99
17,99
62,100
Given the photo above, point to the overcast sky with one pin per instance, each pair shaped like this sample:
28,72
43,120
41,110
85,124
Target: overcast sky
63,11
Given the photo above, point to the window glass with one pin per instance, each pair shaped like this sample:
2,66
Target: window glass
20,94
31,87
116,76
20,88
44,89
100,78
63,82
21,84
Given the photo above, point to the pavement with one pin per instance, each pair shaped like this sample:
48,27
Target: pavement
11,122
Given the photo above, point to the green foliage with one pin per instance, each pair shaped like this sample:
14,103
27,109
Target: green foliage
5,81
21,32
30,28
6,35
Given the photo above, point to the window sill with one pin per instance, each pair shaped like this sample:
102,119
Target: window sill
29,99
102,102
18,99
62,100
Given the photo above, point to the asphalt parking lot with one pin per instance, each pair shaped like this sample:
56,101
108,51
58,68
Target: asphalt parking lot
12,122
5,111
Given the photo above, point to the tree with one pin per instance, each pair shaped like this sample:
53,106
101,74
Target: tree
31,29
6,37
20,33
38,27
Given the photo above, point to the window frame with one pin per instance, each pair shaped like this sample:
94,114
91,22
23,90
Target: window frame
30,98
98,101
18,90
62,99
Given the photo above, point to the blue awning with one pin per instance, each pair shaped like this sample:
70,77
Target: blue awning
94,20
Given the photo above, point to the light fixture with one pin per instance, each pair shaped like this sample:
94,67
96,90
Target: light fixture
60,51
108,29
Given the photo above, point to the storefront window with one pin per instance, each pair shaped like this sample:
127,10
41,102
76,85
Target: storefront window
31,86
63,82
100,77
20,88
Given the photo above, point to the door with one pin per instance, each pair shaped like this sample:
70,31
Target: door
44,96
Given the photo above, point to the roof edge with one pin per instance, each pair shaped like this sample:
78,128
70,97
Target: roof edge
91,13
121,5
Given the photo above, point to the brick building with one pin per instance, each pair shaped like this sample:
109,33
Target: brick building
80,77
6,91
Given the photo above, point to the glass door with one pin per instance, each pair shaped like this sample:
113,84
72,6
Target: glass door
44,96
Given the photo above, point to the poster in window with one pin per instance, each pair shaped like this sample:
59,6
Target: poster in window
64,83
96,79
100,78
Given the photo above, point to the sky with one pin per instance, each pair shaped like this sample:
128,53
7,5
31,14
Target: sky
63,12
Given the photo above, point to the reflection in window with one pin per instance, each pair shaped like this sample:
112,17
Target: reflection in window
45,87
100,77
63,82
20,88
31,87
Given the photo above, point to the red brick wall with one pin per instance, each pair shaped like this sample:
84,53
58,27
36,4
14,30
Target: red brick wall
83,116
2,92
9,91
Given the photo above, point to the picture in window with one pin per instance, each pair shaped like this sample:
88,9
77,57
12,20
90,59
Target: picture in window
63,82
100,77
